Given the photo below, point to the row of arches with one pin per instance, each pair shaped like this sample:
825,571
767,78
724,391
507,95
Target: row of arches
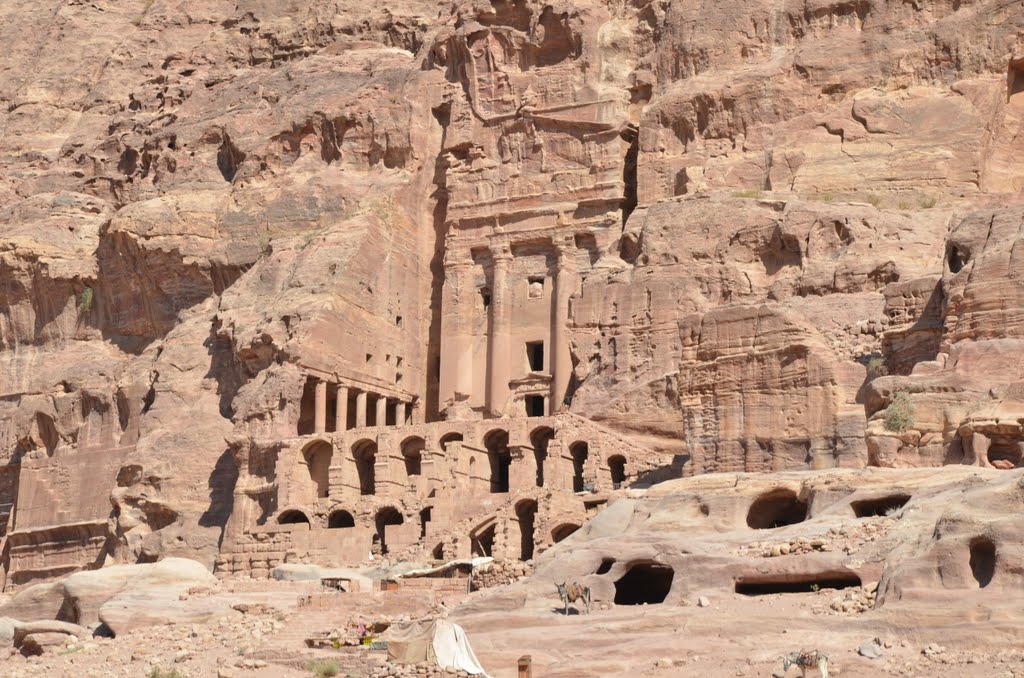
342,519
482,538
318,456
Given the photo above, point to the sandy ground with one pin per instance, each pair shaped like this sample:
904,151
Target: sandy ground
732,636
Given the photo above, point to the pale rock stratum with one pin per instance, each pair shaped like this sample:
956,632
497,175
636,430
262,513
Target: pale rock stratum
329,282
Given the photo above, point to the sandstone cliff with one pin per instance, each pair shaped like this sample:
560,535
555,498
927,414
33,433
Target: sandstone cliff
789,217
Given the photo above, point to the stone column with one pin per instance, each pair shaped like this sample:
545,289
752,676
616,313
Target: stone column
561,359
499,333
341,410
382,411
361,409
417,412
458,302
320,410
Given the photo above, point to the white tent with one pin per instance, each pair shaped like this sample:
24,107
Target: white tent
439,642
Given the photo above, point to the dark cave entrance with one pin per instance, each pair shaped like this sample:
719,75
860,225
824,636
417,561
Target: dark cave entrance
983,560
776,509
796,584
644,584
881,506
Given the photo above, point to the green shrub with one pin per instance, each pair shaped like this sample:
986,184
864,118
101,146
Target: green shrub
85,301
927,201
157,672
877,366
899,416
749,193
324,668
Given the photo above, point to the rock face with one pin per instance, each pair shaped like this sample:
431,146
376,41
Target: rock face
270,271
916,537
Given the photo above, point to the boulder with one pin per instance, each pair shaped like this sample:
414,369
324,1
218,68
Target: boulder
89,591
139,607
37,643
7,627
23,630
42,601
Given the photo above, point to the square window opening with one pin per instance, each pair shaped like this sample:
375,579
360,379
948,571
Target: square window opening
535,355
536,286
534,406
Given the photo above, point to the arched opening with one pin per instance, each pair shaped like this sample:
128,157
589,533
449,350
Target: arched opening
388,515
500,459
644,584
563,531
424,519
775,509
983,560
340,519
412,453
957,257
482,541
879,506
617,469
579,452
526,512
606,566
292,517
317,456
1004,453
365,454
438,552
540,438
448,438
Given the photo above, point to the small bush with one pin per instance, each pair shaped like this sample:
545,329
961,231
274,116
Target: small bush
324,668
85,301
927,201
899,416
877,366
874,199
749,193
145,10
157,672
904,205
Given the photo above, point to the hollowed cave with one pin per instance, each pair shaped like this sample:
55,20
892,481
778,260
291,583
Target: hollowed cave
606,566
796,584
1004,453
776,509
983,560
644,583
880,506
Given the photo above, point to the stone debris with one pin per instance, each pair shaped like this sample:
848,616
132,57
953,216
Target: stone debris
871,649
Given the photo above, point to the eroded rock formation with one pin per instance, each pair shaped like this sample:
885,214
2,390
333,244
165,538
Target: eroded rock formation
262,266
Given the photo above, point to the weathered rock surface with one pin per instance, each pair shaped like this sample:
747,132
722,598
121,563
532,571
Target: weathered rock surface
133,590
917,536
792,231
